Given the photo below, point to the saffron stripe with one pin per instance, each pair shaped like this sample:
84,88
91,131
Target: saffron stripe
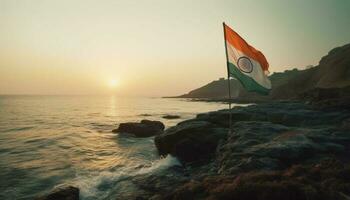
240,44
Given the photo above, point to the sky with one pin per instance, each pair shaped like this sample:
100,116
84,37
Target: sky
154,47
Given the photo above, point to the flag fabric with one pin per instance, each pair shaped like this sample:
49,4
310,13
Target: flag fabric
245,63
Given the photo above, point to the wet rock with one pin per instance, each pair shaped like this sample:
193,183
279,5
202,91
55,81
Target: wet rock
171,116
145,128
64,193
151,183
145,115
191,140
158,183
155,124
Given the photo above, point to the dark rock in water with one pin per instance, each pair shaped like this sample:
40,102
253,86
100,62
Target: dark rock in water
156,124
171,116
190,141
145,115
65,193
145,128
161,182
152,183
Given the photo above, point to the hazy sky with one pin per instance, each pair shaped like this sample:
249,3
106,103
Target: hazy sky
154,48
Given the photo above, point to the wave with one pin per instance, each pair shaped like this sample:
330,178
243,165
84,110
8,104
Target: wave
18,129
98,186
161,164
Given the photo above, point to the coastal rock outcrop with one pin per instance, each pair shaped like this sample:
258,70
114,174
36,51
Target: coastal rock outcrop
265,135
190,141
145,128
62,193
171,116
279,150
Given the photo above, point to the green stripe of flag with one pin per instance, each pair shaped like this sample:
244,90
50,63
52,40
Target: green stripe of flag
249,83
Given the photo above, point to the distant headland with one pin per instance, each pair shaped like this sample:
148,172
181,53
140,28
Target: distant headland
329,79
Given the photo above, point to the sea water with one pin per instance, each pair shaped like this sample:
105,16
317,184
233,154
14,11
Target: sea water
47,141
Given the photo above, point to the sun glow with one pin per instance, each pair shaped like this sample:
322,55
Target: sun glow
113,83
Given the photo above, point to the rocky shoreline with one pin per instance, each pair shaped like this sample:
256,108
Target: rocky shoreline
278,150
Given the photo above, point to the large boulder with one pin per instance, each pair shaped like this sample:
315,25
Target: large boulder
158,183
171,116
191,140
145,128
62,193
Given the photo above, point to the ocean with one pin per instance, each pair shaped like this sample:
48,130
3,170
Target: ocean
49,141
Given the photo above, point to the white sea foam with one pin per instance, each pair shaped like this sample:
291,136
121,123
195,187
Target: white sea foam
161,164
99,185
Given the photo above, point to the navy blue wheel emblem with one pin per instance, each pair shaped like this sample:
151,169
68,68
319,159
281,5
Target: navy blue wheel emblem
245,64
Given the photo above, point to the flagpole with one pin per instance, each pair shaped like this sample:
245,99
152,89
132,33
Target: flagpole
228,81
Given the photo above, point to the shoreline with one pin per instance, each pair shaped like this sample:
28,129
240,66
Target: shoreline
224,100
269,140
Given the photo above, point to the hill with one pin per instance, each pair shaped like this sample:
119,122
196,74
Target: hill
215,90
333,71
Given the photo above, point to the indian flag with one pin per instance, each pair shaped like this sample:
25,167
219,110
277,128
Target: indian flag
245,63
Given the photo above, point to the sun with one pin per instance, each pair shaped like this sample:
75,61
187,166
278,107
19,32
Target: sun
113,83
